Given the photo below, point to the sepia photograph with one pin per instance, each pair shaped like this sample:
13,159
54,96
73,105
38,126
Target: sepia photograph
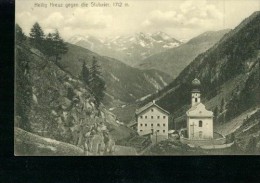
137,77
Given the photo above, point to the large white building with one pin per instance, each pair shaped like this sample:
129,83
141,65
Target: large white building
152,119
199,119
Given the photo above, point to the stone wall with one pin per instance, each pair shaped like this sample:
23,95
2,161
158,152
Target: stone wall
219,141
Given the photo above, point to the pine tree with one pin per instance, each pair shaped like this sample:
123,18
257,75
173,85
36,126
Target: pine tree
59,46
37,36
97,84
19,35
48,45
85,74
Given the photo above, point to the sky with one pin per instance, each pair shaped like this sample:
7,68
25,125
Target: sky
181,19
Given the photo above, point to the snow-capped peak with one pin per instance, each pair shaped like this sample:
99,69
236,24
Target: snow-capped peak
77,38
129,48
163,35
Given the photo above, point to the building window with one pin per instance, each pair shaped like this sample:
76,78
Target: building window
158,124
163,131
196,100
145,125
164,117
151,124
145,117
151,117
200,134
200,123
141,117
141,124
164,124
152,110
141,130
158,130
158,117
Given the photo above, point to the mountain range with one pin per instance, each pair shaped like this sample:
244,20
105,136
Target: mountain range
174,60
129,49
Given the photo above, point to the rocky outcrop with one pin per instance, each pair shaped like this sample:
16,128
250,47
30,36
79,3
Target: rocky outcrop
62,107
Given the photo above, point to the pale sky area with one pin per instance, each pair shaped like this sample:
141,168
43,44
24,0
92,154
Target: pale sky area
180,19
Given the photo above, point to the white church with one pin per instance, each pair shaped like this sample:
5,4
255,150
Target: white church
200,122
199,119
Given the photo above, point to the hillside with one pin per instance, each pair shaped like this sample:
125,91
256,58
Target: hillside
130,49
124,84
52,103
174,60
229,73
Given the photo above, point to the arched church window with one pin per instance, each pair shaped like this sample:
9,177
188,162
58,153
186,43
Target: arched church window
196,100
200,123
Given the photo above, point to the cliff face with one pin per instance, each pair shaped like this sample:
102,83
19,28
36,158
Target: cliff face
61,107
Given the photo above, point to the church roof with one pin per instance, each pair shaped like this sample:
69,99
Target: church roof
149,105
199,110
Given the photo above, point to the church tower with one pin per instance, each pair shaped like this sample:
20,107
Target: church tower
195,93
199,119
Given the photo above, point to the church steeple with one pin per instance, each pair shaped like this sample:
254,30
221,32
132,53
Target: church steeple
195,93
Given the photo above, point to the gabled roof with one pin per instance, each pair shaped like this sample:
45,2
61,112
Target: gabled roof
199,110
149,105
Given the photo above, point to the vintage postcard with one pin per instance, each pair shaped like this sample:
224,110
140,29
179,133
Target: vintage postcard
137,77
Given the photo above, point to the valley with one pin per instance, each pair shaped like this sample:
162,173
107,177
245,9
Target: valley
124,84
58,112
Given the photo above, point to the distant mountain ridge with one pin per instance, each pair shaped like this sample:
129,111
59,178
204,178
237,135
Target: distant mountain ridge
174,60
128,49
